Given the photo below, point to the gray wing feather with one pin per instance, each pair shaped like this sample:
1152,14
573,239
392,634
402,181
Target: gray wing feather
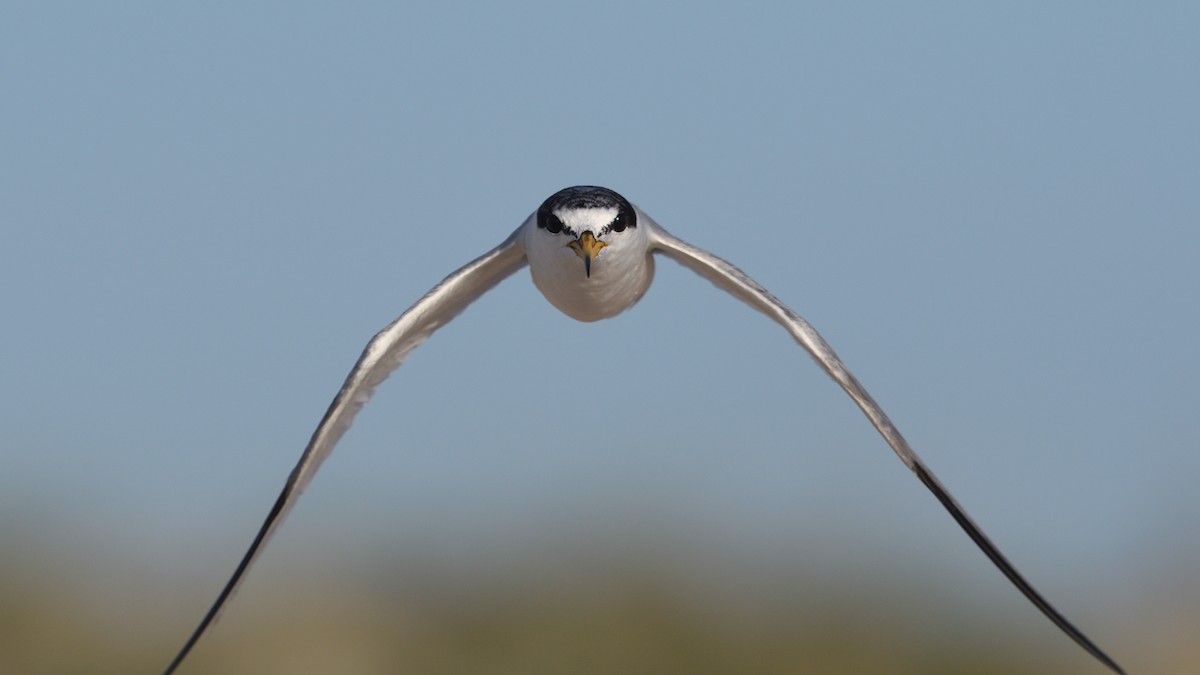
382,355
729,278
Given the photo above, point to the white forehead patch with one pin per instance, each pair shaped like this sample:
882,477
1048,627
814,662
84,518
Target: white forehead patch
581,220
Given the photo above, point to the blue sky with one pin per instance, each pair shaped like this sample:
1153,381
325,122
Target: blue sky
990,212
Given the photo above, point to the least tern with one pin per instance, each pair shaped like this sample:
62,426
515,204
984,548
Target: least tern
590,253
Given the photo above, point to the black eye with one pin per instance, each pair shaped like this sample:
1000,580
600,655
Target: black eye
553,224
624,219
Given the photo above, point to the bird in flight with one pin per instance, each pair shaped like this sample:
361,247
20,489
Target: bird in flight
591,254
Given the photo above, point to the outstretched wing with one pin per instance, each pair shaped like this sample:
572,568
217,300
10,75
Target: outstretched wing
382,355
731,279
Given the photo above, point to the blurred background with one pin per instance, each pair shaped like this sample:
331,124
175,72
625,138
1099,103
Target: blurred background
990,211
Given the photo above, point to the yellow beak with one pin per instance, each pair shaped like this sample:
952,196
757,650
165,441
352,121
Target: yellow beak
587,246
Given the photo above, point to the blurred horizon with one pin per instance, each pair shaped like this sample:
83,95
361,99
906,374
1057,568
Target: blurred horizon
580,593
615,602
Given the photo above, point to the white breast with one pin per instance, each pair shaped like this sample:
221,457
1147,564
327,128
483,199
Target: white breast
621,272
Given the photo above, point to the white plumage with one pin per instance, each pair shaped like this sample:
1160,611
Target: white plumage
590,253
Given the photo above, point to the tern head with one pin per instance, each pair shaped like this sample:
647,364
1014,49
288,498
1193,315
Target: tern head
587,253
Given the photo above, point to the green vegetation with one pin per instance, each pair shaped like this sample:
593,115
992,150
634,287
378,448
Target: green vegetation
549,617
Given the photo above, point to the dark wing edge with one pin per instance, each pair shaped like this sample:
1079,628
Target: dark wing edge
382,355
729,278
